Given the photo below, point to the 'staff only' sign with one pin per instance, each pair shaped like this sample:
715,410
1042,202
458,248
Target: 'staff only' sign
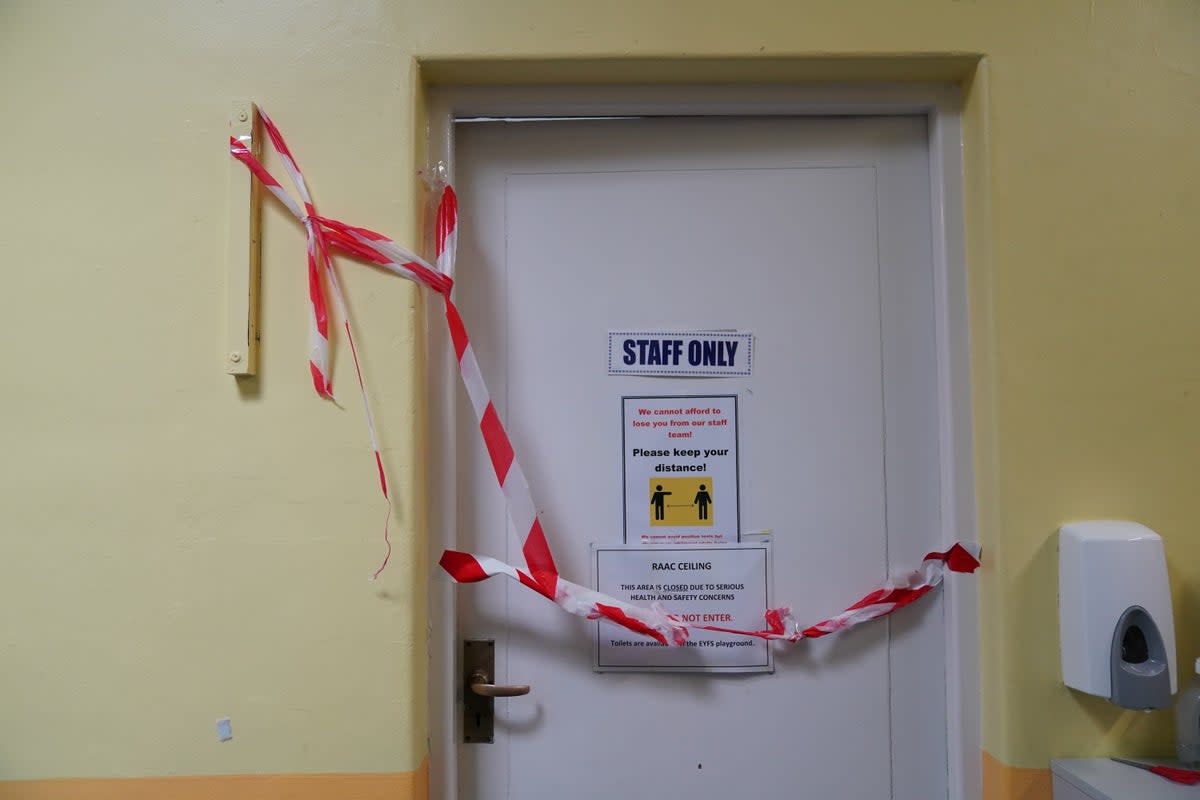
680,354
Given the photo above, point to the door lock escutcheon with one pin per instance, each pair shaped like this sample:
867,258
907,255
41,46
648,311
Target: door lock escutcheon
479,692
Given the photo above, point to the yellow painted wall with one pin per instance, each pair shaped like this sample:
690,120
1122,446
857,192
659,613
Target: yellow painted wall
177,547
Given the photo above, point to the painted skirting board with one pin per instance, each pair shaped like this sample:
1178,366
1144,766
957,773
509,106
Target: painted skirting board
318,786
1002,782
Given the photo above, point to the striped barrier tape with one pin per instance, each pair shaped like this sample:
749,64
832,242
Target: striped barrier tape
540,573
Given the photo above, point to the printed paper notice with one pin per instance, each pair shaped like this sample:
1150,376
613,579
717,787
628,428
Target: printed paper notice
681,469
681,353
720,585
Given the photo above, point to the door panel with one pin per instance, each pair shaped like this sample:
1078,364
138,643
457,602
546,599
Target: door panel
814,235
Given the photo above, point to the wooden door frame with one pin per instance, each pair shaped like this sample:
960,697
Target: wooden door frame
941,105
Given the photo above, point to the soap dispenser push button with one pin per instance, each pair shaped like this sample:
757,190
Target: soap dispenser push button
1140,678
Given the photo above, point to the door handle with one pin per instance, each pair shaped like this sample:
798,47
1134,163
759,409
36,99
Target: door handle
481,684
479,693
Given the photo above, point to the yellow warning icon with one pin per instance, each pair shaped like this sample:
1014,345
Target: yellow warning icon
681,502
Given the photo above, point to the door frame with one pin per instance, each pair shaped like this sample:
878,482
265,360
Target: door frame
942,106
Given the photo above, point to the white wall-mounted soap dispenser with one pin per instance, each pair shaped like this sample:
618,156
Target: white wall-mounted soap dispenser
1115,619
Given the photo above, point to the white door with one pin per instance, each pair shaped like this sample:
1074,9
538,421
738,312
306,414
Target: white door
813,234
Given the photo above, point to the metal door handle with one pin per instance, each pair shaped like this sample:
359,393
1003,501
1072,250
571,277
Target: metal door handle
481,684
479,708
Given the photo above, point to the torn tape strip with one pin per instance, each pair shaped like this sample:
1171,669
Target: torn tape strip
541,573
323,234
375,248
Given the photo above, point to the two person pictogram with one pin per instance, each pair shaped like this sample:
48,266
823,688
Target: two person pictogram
658,499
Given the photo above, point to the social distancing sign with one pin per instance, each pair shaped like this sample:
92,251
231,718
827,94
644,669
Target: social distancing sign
681,469
681,502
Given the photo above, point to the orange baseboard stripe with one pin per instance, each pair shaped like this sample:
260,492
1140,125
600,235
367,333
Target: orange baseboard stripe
1002,782
317,786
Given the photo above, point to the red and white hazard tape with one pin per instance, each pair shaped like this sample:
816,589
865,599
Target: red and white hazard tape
670,629
370,246
540,573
